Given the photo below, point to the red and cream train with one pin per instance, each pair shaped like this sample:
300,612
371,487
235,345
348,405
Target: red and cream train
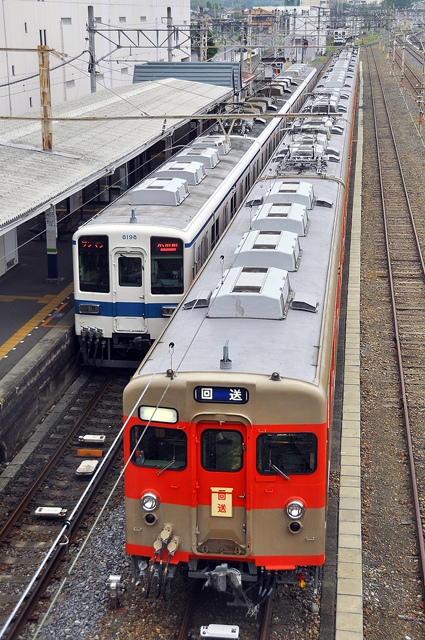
228,417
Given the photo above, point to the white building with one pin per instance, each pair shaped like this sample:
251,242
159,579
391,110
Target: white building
63,26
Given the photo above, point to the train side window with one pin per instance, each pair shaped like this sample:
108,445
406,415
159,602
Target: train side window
167,266
204,248
93,262
129,271
158,447
286,453
221,450
233,206
215,228
226,215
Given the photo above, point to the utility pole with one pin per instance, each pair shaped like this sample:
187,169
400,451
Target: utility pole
318,33
248,43
393,60
45,97
92,65
203,39
170,35
402,59
275,32
242,45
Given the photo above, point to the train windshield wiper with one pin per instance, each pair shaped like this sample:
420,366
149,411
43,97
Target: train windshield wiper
158,473
273,467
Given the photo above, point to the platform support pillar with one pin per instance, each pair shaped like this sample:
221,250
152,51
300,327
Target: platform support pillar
52,243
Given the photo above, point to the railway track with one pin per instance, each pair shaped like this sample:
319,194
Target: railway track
406,271
411,69
29,542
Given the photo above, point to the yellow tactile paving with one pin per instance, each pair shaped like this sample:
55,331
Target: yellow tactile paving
52,303
44,300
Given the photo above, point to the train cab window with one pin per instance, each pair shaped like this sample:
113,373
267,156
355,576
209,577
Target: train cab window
129,271
286,453
158,447
93,262
167,266
221,450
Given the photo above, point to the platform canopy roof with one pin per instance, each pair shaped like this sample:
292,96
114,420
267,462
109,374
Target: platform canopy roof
224,74
84,151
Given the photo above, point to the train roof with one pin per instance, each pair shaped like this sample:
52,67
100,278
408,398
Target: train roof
292,343
258,341
176,216
179,216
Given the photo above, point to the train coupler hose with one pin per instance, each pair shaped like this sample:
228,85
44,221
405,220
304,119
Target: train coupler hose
157,546
172,547
165,537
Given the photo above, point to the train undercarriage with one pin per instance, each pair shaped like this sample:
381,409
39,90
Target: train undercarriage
246,584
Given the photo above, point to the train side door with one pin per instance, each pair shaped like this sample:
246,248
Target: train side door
221,488
129,291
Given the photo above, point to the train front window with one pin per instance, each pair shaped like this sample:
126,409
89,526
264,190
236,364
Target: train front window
286,453
221,450
166,266
159,448
129,271
93,261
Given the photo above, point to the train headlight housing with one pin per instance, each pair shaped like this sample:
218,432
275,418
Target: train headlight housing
149,502
295,509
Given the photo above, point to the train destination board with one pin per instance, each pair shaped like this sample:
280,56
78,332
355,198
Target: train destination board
229,395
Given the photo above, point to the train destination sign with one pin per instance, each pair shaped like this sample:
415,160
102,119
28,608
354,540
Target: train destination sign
229,395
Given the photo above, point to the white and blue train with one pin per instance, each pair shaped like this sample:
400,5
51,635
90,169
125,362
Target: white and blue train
135,259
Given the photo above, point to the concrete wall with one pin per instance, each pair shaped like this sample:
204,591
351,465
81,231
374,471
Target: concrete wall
34,385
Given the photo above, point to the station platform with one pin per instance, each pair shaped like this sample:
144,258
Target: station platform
30,305
37,343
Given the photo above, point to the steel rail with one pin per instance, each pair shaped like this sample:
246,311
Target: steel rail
410,49
42,577
184,628
406,419
267,615
411,71
6,528
60,549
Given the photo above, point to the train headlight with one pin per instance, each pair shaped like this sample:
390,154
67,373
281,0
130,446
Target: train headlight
295,509
149,502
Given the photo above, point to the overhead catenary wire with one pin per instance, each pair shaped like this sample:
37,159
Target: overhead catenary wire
36,75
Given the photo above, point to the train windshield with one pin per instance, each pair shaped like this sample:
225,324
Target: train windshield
166,266
93,262
221,450
158,448
129,271
286,453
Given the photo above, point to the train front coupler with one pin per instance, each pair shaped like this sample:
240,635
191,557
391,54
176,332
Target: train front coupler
229,580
